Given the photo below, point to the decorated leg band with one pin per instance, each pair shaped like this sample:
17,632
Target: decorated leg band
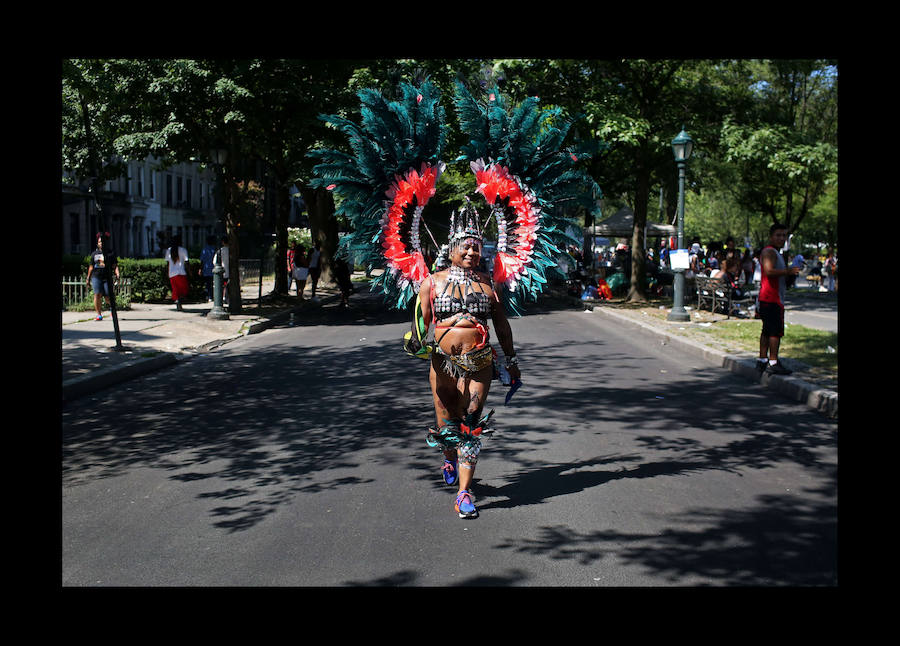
468,452
457,432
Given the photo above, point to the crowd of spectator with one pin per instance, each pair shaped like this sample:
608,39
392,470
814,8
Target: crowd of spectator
741,267
738,266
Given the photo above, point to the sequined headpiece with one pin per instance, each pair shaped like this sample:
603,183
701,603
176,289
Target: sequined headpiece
465,225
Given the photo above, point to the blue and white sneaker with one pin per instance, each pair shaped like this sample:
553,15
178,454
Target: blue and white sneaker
465,505
451,475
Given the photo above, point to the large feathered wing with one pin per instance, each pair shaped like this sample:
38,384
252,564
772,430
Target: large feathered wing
529,181
385,181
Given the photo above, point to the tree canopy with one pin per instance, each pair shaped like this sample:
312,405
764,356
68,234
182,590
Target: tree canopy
765,131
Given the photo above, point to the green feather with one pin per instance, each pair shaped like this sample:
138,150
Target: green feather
528,140
390,138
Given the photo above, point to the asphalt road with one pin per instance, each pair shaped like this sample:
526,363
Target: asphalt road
296,457
807,306
811,311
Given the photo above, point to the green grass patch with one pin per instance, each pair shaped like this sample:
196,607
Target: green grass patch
816,348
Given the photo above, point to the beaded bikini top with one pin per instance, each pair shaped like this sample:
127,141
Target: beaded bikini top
460,295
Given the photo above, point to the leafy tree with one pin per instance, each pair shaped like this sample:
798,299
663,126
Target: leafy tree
764,131
262,112
286,96
821,223
92,118
182,110
636,107
93,108
784,151
385,76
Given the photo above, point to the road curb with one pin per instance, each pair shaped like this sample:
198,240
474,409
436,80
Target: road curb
84,385
823,400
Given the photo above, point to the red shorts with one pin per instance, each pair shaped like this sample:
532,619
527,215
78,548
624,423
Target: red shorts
179,287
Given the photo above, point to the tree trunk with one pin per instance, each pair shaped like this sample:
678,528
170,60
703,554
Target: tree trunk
638,289
587,243
323,227
282,215
235,306
789,209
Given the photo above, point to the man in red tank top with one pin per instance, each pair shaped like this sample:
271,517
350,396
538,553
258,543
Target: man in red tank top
771,301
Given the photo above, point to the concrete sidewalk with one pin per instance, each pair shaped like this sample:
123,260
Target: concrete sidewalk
157,335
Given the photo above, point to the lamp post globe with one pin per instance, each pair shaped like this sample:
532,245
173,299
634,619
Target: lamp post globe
682,147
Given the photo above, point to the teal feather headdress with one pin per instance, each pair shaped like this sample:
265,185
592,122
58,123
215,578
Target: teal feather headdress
528,179
386,182
520,168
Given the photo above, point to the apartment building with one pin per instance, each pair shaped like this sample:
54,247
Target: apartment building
145,209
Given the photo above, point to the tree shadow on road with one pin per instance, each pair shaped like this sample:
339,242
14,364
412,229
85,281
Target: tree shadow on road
248,441
782,541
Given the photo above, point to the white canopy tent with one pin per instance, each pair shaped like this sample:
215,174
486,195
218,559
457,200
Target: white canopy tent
621,225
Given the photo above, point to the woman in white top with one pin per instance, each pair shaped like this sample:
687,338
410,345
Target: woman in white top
177,257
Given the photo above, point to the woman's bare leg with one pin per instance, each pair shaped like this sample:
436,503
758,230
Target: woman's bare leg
473,391
446,398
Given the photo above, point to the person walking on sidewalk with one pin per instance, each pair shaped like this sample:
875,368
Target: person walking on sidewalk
290,254
223,258
97,276
315,267
207,263
177,257
299,269
830,270
770,306
342,276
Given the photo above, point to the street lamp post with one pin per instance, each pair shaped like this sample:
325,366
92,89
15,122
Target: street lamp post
682,146
218,312
109,261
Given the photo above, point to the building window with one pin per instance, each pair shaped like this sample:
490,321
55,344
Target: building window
140,181
168,189
179,198
152,185
187,196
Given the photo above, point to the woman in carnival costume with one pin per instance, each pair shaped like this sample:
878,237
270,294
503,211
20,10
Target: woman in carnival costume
457,302
386,182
